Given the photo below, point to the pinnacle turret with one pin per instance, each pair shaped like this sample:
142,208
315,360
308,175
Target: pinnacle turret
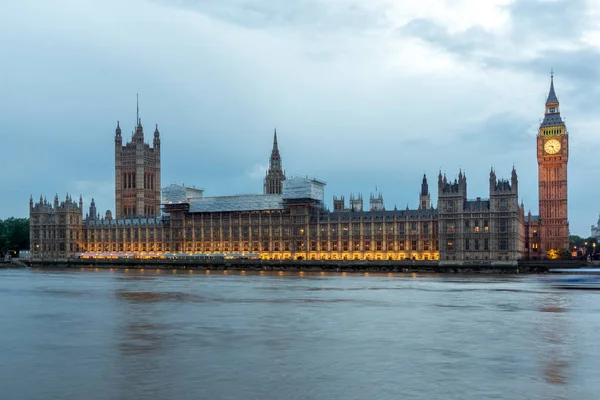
424,186
552,99
275,175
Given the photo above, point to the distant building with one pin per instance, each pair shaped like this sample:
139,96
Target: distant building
553,156
137,174
290,219
275,175
480,229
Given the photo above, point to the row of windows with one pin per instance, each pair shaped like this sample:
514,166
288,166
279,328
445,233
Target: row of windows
476,245
365,245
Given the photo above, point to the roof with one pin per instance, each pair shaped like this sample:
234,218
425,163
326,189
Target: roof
348,215
551,95
553,119
477,205
180,194
303,188
247,202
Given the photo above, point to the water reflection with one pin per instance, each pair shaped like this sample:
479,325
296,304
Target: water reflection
263,335
555,357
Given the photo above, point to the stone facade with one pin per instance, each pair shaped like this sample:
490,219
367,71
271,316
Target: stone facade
552,156
137,175
56,230
289,221
481,229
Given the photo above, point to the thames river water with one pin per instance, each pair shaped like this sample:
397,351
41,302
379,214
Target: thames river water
71,334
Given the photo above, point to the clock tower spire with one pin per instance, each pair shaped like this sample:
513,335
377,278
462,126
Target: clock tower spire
552,156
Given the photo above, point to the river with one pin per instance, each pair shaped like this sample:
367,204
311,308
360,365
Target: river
99,334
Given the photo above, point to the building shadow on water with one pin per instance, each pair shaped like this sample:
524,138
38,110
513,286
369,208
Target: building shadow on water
555,354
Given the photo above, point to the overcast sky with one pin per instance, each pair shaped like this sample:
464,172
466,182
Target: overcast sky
364,94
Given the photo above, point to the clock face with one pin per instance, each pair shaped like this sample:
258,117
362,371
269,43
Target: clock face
552,146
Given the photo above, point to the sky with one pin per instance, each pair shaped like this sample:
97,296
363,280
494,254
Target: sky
365,95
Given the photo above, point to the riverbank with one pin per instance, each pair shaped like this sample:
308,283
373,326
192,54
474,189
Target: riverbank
408,266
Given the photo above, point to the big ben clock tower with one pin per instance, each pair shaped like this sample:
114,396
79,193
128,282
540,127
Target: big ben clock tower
552,156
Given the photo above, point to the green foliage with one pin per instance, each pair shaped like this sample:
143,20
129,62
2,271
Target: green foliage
14,234
564,254
576,241
559,254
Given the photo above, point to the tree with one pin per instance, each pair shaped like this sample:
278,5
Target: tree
576,241
559,254
564,254
14,234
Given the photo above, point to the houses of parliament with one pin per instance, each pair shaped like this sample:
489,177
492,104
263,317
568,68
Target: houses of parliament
290,220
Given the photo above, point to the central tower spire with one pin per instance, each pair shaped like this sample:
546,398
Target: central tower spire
275,176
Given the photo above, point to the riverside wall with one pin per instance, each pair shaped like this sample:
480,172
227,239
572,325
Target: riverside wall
405,266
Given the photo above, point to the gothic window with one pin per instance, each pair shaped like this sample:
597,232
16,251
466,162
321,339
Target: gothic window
401,228
503,244
503,225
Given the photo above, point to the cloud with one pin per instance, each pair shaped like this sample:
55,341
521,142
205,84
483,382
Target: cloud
314,15
257,172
